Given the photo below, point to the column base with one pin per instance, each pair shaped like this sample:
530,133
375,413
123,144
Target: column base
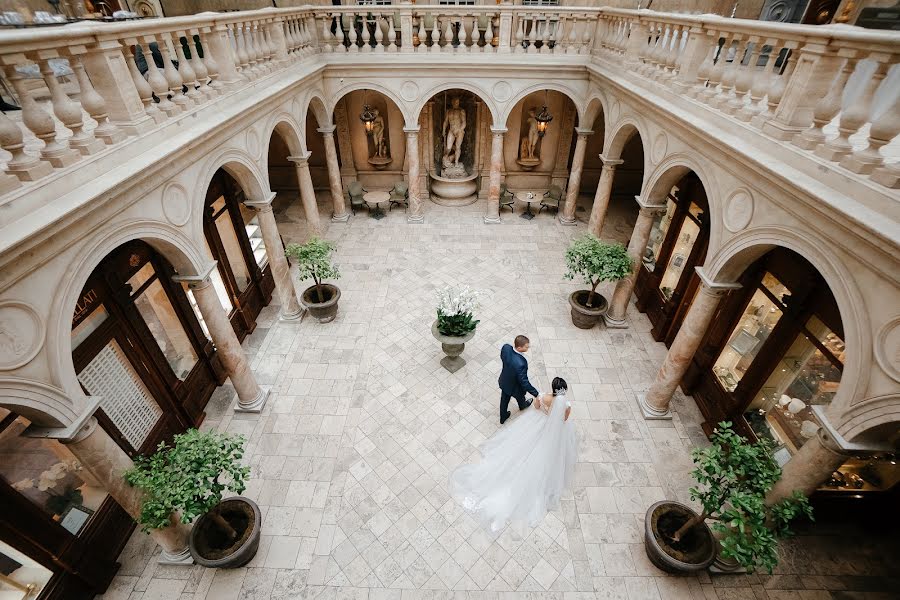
491,220
341,218
256,405
612,323
182,558
650,413
564,220
415,219
295,317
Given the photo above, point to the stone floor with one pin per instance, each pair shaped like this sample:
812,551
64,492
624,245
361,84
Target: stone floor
351,455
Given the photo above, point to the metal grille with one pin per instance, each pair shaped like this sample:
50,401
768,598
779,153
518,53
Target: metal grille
123,396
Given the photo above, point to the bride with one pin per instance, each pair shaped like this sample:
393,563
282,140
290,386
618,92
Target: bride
525,466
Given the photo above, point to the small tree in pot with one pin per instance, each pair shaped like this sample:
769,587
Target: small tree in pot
314,262
189,478
594,262
734,477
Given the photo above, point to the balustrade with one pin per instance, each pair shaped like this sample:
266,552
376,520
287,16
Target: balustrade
829,91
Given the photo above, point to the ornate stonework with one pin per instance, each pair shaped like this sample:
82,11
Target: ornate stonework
660,145
21,334
887,348
252,143
175,204
738,210
501,91
409,91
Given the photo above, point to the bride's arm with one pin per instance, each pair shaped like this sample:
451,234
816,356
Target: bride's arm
568,410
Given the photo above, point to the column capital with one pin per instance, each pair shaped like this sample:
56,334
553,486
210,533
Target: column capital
649,209
411,131
327,130
199,280
300,159
584,131
262,205
81,427
712,287
610,163
832,440
498,130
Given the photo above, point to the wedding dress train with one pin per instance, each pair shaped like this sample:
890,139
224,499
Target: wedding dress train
524,469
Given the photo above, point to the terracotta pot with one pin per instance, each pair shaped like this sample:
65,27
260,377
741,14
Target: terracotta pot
582,316
211,548
324,312
452,346
696,550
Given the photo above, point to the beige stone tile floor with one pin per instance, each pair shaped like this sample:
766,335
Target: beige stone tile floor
349,459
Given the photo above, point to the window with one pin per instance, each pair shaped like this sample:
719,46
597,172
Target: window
540,2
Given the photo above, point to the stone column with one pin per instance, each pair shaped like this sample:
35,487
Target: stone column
640,236
251,397
106,462
414,214
601,197
307,193
655,403
492,215
808,468
290,308
567,214
340,214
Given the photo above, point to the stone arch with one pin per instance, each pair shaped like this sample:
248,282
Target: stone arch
284,124
621,133
237,164
184,254
552,86
726,265
42,404
597,105
375,87
316,103
482,94
863,420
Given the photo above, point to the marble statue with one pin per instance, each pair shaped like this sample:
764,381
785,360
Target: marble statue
454,130
378,135
529,141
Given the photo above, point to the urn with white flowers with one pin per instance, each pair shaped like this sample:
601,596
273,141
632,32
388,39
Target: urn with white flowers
455,324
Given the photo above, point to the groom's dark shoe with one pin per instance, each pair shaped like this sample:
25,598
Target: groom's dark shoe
503,418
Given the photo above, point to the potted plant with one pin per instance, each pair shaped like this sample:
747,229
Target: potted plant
594,261
455,324
314,262
189,478
734,477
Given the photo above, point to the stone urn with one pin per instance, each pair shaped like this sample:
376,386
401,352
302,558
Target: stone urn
452,346
213,548
584,316
693,552
326,311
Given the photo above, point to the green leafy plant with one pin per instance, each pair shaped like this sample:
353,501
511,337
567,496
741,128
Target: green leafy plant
455,316
595,261
189,477
734,477
314,262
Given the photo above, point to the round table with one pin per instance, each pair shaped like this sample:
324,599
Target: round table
524,197
376,198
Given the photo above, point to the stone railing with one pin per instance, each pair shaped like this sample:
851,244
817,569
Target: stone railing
107,82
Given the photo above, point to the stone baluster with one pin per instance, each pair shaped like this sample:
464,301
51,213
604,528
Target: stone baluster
241,58
717,72
186,71
567,214
745,77
219,55
94,105
601,196
475,36
266,45
291,35
196,48
586,32
145,92
520,34
545,36
392,34
246,30
41,123
251,397
366,34
532,37
24,166
492,215
157,79
340,214
351,32
448,34
648,50
11,140
778,78
571,46
379,34
342,41
640,236
885,127
68,112
759,85
655,403
670,55
415,210
278,50
558,35
856,112
726,91
173,78
328,39
465,34
825,109
261,47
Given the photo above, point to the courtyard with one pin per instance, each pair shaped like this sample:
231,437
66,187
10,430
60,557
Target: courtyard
351,454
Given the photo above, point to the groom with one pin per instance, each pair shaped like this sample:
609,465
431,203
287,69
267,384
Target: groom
514,376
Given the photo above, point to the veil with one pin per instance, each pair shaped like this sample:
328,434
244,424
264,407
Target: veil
525,468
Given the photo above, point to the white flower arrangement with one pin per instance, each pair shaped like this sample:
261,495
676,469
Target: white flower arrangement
457,301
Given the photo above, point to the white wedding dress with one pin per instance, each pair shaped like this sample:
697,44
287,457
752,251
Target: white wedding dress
524,469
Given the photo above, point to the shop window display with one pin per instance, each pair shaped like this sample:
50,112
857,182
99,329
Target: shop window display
658,235
690,230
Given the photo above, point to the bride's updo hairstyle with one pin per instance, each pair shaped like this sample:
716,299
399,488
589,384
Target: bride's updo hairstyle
559,386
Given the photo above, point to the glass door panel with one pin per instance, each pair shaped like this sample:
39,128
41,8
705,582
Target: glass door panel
21,573
658,235
232,247
165,326
254,234
687,236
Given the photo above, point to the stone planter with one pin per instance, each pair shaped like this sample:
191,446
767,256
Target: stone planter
454,192
324,312
210,546
582,316
452,346
696,550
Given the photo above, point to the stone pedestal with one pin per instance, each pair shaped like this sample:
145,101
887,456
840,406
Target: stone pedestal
415,211
453,347
492,214
601,197
307,193
567,214
341,214
655,403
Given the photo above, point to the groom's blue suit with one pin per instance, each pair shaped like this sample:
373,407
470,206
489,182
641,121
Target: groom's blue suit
513,381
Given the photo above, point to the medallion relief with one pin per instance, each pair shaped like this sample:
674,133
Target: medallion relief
501,91
660,145
21,334
252,144
175,204
738,211
409,91
887,348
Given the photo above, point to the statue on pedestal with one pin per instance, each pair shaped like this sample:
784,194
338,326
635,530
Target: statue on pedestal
528,154
454,130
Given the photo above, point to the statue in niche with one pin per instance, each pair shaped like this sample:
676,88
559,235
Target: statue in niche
529,156
380,156
454,130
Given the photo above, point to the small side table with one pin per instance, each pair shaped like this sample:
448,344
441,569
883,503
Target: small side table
528,198
376,198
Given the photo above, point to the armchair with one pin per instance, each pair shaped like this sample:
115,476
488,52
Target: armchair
552,198
506,198
355,192
399,195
